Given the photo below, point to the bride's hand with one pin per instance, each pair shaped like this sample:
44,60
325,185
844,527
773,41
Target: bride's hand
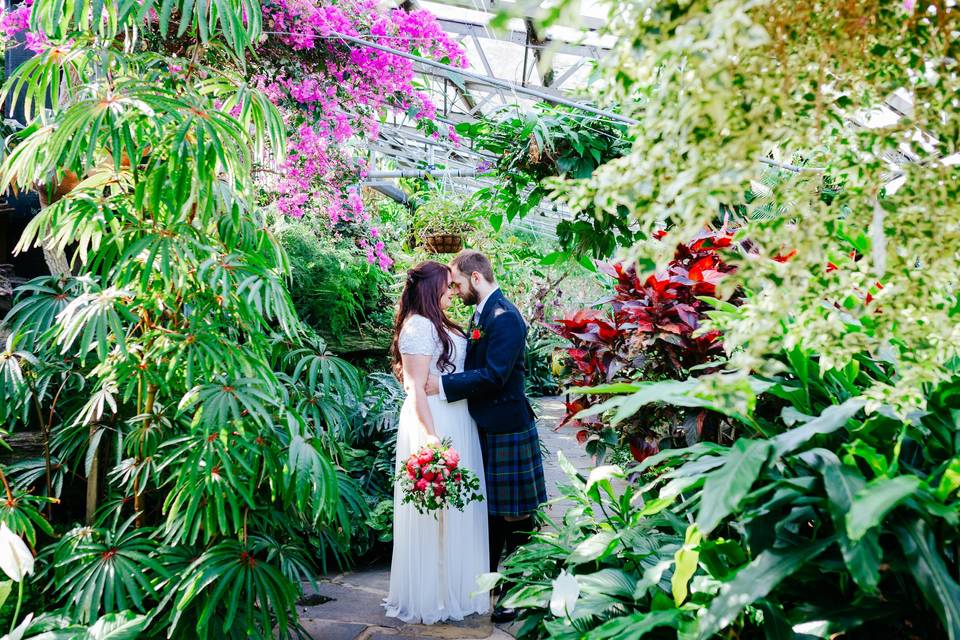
432,388
432,440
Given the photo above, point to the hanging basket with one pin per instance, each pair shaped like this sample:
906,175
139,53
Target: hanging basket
50,193
444,243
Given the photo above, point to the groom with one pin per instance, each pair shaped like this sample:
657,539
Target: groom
492,383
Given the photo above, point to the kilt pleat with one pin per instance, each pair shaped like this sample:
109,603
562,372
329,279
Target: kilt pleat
514,472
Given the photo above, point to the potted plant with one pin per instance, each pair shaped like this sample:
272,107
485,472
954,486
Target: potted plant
441,222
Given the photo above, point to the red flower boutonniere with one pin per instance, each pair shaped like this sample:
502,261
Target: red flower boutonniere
476,334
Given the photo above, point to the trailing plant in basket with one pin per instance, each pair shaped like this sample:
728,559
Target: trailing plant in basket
440,213
550,141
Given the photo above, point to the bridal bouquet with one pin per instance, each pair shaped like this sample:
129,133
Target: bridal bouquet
432,479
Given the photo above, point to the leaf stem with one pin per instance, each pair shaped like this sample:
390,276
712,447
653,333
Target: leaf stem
16,612
147,409
6,487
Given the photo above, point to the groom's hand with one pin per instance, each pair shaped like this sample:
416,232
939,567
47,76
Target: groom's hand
433,385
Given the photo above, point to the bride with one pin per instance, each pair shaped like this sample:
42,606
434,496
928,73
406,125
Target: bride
436,557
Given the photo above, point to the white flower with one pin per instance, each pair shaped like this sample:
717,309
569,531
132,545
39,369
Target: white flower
15,558
566,591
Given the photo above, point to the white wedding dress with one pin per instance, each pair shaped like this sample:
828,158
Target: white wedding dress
437,558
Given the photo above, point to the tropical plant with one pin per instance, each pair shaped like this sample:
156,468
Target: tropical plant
824,521
155,357
854,99
652,331
538,374
334,290
546,142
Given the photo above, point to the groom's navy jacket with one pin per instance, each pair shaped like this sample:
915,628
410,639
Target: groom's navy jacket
492,380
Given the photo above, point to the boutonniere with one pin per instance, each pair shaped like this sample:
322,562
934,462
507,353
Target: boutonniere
476,334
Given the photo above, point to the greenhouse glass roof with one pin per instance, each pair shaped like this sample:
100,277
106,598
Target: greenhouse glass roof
512,69
509,71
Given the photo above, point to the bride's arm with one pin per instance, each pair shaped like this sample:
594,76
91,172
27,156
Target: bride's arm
416,368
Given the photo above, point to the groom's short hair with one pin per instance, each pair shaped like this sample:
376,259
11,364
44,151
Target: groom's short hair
468,261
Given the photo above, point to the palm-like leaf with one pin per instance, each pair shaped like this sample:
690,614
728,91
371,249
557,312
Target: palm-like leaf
312,479
21,512
238,22
95,320
16,392
39,303
234,590
230,400
99,570
214,487
26,474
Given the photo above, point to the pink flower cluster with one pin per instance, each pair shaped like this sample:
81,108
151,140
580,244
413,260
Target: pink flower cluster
377,251
432,479
343,96
331,93
14,22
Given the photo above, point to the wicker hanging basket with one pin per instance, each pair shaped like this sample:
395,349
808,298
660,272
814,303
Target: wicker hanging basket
444,243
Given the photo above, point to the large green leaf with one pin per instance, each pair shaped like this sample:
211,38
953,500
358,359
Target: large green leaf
755,581
592,548
611,582
872,503
686,560
125,625
862,557
831,419
5,588
312,478
926,562
636,626
728,485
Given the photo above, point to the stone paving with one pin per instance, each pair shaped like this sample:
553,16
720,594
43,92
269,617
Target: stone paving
354,611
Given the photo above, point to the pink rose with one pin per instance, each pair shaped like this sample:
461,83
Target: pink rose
438,489
429,476
412,468
452,459
420,485
425,456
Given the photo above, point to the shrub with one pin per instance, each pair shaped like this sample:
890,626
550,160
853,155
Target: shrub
825,520
652,331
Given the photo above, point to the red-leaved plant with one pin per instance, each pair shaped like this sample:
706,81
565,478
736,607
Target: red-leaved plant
648,330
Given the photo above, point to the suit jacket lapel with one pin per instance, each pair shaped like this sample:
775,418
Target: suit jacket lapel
488,307
470,328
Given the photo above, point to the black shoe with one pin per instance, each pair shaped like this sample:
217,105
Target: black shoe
502,615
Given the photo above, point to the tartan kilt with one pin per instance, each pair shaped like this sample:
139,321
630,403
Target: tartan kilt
514,472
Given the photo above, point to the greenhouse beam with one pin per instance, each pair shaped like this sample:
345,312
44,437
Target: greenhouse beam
496,82
422,173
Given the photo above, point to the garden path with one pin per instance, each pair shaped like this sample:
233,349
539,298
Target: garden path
354,612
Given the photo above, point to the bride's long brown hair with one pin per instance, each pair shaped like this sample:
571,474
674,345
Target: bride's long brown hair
426,283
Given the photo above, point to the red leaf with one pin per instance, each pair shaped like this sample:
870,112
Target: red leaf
642,448
784,257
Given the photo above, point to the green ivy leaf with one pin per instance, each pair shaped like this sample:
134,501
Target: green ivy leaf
755,581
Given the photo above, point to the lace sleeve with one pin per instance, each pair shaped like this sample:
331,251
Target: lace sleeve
418,337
